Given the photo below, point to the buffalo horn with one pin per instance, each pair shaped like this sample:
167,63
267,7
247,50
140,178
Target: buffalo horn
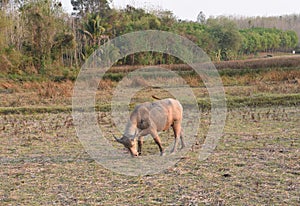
117,139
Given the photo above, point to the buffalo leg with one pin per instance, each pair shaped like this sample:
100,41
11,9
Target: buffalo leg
140,137
177,135
182,138
140,144
157,141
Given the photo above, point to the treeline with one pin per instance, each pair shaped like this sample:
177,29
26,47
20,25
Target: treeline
268,40
283,22
39,37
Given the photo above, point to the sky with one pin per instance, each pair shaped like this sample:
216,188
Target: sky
189,9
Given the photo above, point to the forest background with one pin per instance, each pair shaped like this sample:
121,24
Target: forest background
39,38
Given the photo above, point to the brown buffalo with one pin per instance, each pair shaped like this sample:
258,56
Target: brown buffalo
150,118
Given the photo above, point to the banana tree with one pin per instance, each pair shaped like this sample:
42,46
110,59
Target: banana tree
93,33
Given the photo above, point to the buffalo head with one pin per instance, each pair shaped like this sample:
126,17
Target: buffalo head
129,143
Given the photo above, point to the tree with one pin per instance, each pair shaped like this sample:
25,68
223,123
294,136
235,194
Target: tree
251,42
226,37
294,39
167,19
84,7
201,18
3,25
93,32
45,33
3,3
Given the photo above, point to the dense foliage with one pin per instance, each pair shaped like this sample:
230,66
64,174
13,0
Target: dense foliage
39,37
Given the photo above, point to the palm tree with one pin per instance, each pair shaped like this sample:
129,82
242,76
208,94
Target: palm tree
94,34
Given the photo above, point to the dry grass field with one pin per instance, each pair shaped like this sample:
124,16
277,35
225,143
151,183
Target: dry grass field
42,161
256,163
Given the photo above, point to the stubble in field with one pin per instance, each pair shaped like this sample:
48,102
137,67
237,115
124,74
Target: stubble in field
255,163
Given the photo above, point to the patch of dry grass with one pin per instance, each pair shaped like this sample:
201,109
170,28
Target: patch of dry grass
256,63
42,162
256,163
36,93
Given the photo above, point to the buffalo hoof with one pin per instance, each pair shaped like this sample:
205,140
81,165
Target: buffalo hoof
173,151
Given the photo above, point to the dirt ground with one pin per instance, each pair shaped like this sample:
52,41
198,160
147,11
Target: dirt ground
256,162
